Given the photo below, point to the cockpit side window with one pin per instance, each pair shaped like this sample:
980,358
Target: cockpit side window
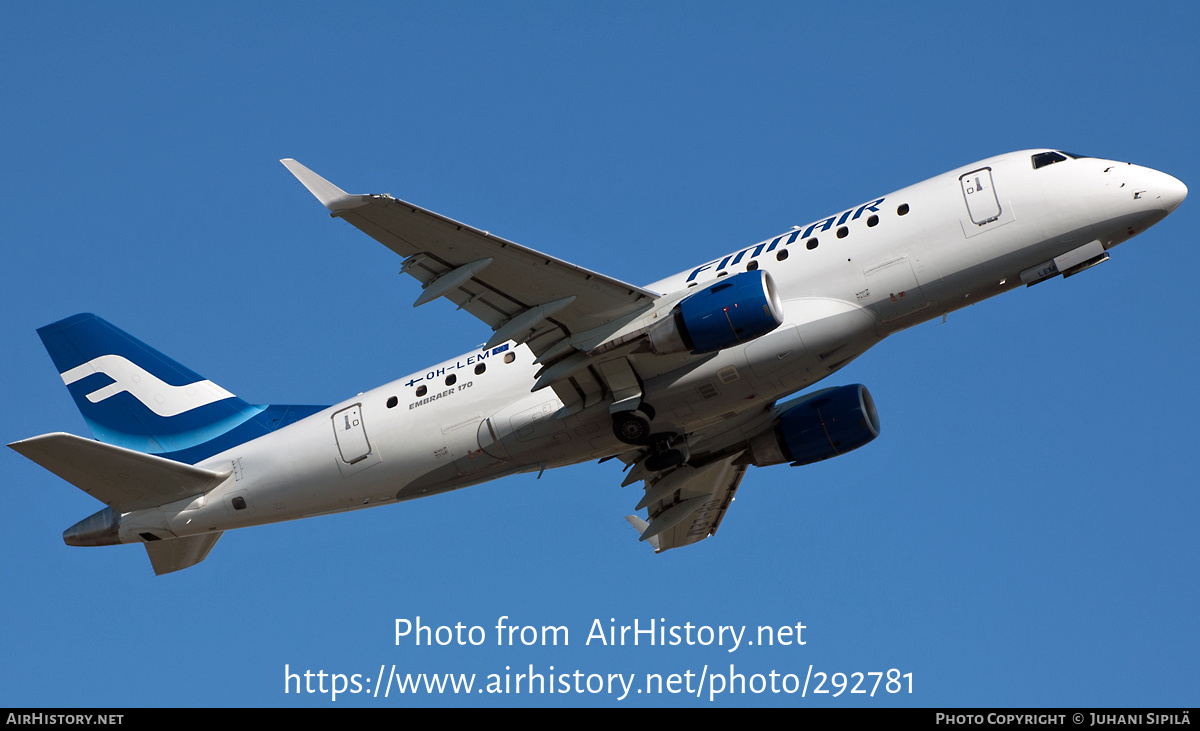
1042,159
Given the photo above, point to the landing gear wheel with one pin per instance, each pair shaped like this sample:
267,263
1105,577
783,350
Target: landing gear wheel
631,427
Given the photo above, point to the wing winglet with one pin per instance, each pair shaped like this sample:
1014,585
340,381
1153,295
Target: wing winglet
331,196
642,526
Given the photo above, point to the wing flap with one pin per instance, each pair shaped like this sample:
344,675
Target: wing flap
702,495
120,478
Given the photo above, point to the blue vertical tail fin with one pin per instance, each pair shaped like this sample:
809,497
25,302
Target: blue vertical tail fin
135,397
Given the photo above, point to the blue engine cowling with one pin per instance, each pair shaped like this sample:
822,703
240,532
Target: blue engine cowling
822,425
733,311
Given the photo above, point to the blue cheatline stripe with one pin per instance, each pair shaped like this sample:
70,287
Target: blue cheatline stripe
267,421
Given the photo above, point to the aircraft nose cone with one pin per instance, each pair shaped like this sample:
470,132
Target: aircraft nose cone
1172,191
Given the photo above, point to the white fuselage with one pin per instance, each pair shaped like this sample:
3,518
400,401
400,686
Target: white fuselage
874,269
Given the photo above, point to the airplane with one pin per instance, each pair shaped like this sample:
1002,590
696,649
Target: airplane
683,380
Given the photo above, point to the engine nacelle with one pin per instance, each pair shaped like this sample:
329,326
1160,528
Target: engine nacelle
733,311
823,425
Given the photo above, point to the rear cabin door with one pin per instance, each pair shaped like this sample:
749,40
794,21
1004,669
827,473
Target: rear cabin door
351,434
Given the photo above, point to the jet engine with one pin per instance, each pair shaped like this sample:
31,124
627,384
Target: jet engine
824,424
735,310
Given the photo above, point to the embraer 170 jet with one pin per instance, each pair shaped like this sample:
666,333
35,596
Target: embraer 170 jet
681,380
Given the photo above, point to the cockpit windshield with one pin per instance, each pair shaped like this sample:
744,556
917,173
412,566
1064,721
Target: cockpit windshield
1042,159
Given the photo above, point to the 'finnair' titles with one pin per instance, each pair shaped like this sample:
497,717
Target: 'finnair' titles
792,236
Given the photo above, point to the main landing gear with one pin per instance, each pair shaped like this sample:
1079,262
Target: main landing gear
633,427
664,456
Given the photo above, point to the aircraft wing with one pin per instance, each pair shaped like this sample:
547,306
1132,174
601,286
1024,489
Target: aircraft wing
687,505
522,294
561,311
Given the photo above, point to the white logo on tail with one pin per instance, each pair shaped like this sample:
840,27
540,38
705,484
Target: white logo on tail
159,396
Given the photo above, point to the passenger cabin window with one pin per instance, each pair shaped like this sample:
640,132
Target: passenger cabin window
1042,159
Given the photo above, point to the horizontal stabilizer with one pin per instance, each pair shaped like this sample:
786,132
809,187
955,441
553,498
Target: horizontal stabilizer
120,478
179,553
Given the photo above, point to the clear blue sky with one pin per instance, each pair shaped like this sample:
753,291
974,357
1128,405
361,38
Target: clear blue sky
1022,533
